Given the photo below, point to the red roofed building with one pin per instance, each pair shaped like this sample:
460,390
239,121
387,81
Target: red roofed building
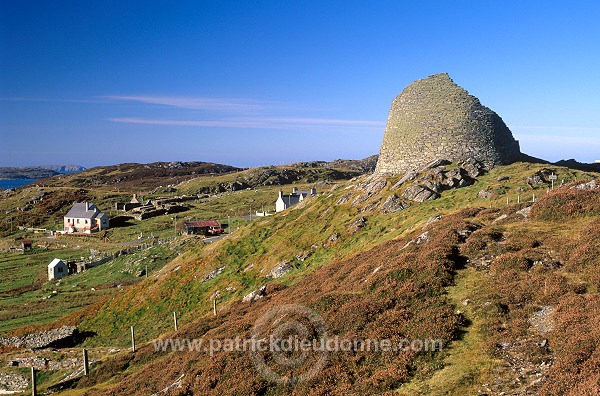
203,227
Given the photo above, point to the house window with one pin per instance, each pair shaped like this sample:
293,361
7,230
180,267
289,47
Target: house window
60,269
77,221
86,221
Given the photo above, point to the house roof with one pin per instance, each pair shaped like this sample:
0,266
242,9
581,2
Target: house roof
202,223
78,211
55,262
291,199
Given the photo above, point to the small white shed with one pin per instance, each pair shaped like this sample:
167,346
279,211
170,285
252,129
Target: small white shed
57,269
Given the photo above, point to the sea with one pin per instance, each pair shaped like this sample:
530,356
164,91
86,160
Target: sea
14,183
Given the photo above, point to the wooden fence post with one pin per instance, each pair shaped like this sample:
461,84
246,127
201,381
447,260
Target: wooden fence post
86,366
132,339
33,384
175,319
215,307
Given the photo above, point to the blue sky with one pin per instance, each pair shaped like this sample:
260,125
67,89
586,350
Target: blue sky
254,83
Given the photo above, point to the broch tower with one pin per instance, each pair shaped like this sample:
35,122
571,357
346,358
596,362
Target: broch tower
433,119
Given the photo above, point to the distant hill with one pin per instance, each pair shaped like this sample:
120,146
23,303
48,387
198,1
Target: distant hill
69,168
26,173
37,171
365,165
136,176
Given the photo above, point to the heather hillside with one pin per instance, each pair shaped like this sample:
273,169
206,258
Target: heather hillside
497,268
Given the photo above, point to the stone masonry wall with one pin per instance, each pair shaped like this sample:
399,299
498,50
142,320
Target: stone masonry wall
435,119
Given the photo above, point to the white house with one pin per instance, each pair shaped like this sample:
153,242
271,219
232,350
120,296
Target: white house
57,269
85,217
285,201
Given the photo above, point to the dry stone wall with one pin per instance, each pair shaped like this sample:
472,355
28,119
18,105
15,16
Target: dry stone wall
435,119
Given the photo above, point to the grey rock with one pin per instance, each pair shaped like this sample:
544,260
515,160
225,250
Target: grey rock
393,204
419,193
485,194
435,163
525,211
424,237
433,186
344,198
408,176
255,295
503,178
591,185
279,270
500,218
536,178
432,220
473,167
358,224
213,274
303,256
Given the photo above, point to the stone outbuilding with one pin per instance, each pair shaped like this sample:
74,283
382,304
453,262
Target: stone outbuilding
57,269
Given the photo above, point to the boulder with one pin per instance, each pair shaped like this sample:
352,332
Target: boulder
279,270
591,185
358,224
408,176
213,274
393,204
473,167
456,178
485,194
255,295
418,193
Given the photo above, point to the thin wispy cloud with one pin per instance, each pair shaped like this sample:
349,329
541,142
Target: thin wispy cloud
259,123
553,128
47,100
195,103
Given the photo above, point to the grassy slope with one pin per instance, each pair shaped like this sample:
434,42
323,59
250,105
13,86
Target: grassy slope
271,240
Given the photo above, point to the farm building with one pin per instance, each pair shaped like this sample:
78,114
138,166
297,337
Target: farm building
85,217
57,269
26,245
203,227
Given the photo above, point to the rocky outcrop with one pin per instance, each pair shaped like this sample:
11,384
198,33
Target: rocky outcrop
420,193
435,179
434,119
393,204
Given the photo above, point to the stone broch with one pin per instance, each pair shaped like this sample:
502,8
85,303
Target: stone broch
435,119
